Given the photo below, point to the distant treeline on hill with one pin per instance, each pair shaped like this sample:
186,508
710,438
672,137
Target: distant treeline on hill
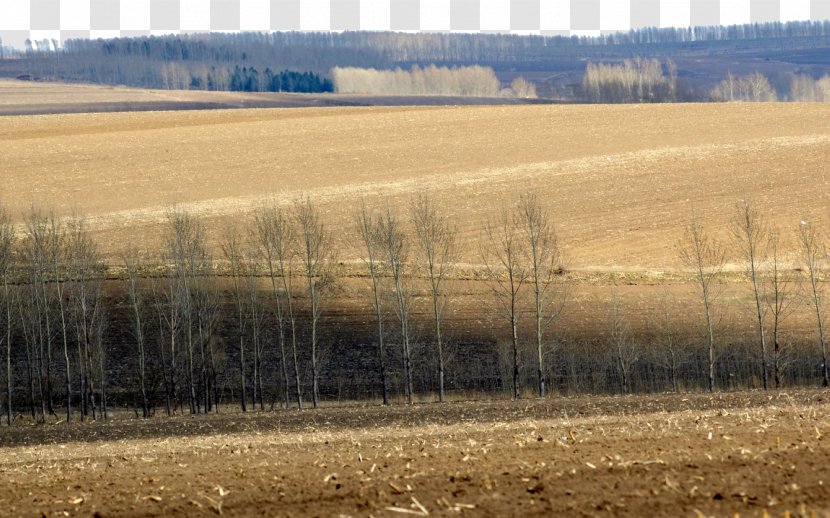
141,61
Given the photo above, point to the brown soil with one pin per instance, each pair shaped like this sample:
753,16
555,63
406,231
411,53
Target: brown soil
665,455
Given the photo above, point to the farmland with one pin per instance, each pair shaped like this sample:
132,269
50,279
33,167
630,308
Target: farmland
41,98
669,455
621,180
620,183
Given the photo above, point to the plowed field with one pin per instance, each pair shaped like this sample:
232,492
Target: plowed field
670,455
621,180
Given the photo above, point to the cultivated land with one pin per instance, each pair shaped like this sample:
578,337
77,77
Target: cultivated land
670,455
621,182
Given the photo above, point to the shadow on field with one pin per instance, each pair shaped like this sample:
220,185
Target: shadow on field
367,416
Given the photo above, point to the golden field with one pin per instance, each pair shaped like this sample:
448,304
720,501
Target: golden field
621,181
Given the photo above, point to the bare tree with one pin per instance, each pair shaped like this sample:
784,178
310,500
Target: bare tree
666,327
812,252
277,238
254,310
84,269
437,240
778,302
625,348
232,248
6,265
752,235
706,257
371,235
544,264
506,271
317,257
167,305
397,253
57,253
188,255
133,267
36,250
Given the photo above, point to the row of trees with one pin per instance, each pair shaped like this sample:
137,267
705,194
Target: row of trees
634,81
643,80
176,75
771,284
753,87
804,88
252,318
474,81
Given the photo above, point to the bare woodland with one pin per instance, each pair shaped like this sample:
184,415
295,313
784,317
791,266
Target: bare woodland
187,330
468,81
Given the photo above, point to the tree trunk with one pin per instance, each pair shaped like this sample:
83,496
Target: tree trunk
515,342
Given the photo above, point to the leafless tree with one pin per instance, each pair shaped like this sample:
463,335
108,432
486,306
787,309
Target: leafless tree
544,264
232,248
813,252
256,317
625,347
371,235
317,258
752,236
84,271
57,253
706,257
6,271
437,240
779,302
36,256
133,266
396,250
168,311
277,237
188,255
668,338
506,270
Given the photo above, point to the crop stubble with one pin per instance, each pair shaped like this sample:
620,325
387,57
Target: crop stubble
664,455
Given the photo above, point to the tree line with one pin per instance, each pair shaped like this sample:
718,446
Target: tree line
192,326
634,81
640,80
190,58
472,81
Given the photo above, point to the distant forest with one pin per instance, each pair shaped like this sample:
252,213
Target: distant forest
249,61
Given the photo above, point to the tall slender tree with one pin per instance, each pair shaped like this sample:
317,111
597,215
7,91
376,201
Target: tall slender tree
232,248
6,272
437,244
752,235
505,265
779,302
277,237
317,259
706,257
133,266
812,253
396,250
371,235
544,267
